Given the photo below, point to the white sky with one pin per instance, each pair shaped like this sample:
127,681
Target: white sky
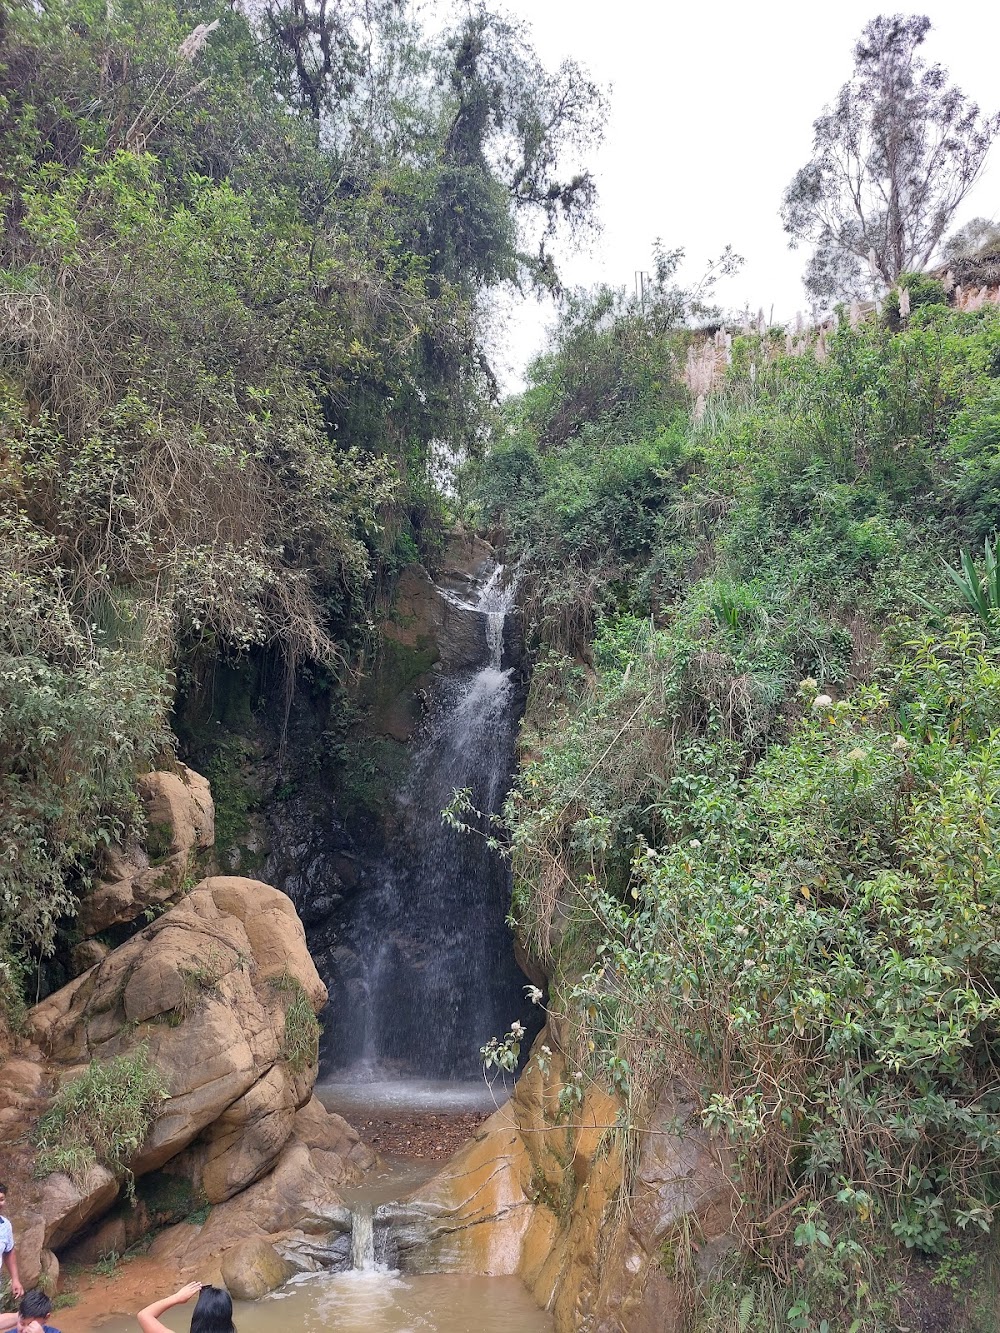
711,115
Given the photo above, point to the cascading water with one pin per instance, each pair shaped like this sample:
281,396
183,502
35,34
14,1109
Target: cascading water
429,932
362,1238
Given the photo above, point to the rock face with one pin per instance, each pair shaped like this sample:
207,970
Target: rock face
296,1197
535,1197
253,1268
423,629
206,988
180,820
209,989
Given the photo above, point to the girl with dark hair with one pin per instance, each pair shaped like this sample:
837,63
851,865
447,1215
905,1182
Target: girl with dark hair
212,1314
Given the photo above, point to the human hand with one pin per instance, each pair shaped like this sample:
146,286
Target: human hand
187,1291
17,1291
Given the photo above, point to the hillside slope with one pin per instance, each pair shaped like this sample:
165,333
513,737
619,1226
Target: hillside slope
755,825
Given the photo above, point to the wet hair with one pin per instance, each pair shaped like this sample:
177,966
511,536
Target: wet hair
35,1305
213,1312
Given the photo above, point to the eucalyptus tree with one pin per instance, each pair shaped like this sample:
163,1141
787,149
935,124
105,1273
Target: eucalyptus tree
893,158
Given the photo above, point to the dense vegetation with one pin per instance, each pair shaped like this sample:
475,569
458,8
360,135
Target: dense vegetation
242,264
754,835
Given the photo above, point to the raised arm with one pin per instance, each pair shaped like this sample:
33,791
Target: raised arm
149,1318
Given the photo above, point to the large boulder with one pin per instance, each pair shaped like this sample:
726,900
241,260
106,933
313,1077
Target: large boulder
334,1143
67,1205
45,1214
180,823
23,1091
253,1268
239,1146
206,989
296,1195
216,991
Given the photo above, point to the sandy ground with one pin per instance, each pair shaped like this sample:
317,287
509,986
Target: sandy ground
133,1284
425,1137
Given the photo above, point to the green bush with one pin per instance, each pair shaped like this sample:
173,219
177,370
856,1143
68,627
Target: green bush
82,708
923,290
300,1045
102,1118
754,832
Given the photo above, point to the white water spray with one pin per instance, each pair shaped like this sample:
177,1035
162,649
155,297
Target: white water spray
363,1238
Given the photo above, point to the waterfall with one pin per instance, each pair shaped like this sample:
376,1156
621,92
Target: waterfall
495,601
362,1238
437,972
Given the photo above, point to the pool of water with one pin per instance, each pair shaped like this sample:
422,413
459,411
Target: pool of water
379,1302
364,1093
392,1179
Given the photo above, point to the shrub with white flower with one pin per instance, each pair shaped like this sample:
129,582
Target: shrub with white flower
504,1052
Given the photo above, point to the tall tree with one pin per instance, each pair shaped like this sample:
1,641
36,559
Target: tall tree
892,160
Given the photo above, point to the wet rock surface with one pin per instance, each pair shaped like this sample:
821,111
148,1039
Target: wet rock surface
534,1195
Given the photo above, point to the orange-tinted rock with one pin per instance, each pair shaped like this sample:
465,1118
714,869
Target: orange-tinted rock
537,1194
205,989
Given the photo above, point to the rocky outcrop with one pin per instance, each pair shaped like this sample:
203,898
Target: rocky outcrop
210,990
335,1144
423,630
180,823
536,1194
206,988
297,1198
68,1205
23,1091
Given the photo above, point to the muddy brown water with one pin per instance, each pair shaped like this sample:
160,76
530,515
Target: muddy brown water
373,1300
379,1302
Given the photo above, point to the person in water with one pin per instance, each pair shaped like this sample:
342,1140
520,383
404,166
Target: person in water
212,1314
31,1315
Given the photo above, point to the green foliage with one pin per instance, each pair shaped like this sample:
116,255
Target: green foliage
102,1117
82,702
974,455
922,290
241,268
300,1046
753,835
980,592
